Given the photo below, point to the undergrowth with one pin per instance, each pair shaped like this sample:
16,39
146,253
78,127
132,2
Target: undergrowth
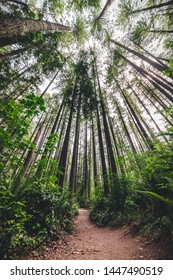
39,214
147,202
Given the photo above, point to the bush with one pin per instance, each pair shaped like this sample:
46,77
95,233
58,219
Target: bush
40,213
13,217
103,211
115,209
50,209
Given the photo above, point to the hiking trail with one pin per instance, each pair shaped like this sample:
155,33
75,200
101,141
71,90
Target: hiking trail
90,242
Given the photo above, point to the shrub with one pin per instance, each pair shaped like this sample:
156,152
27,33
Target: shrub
39,213
13,217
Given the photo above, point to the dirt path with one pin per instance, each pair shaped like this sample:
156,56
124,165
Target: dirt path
90,242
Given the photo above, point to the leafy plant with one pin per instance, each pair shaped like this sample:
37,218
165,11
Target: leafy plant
13,217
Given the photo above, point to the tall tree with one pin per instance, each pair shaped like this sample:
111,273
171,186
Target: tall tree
18,26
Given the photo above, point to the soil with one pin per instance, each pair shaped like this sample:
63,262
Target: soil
90,242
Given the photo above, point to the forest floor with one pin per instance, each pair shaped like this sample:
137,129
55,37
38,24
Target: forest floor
90,242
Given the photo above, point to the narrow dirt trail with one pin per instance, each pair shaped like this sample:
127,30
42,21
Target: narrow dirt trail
90,242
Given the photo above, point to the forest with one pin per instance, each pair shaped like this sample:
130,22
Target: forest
86,118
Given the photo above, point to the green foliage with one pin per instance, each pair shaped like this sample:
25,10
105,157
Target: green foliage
74,208
39,213
82,199
149,3
169,72
125,11
157,182
117,58
169,45
24,10
154,228
49,209
15,117
147,196
140,32
13,217
157,196
98,27
157,179
51,142
81,4
39,210
32,104
55,6
113,210
80,30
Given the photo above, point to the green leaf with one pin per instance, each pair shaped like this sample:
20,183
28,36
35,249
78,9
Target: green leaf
157,196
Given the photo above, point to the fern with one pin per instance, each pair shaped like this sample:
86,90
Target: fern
160,197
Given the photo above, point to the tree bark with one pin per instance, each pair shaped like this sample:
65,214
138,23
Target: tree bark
85,164
158,59
10,26
75,150
16,2
146,109
143,131
158,6
53,130
94,154
161,31
106,129
63,158
125,129
156,65
153,80
12,53
102,156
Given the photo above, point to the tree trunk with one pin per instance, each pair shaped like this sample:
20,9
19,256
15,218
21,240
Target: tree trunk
102,156
156,98
106,129
10,26
30,155
152,92
94,154
116,146
61,127
53,130
12,53
161,78
143,105
108,3
153,80
51,82
152,7
158,59
156,65
161,31
63,158
16,2
125,129
11,40
75,150
144,133
85,165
